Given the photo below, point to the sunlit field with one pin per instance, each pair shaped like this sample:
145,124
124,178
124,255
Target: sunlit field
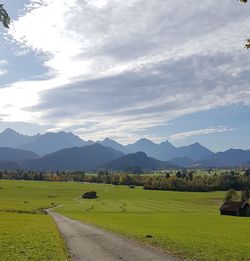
29,237
187,225
26,233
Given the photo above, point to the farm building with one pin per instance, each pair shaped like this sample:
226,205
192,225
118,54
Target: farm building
235,208
89,195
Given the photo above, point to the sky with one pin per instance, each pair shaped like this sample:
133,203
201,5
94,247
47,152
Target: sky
160,69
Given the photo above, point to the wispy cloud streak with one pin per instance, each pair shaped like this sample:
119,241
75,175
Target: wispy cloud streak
188,134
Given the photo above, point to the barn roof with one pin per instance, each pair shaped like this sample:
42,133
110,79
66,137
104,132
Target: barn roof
233,205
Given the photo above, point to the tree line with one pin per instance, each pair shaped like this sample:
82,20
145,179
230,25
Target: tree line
182,180
187,181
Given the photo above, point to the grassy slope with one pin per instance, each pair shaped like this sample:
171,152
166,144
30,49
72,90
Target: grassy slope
187,224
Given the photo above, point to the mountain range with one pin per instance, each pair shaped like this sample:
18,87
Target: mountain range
66,151
52,142
12,139
166,151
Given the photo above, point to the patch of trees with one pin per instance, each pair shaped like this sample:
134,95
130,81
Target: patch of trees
20,174
180,181
187,181
232,195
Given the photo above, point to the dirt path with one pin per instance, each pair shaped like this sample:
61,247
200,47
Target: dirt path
88,243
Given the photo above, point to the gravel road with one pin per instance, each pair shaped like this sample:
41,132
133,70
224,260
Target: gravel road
88,243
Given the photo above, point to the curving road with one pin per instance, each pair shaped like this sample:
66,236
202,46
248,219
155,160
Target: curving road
88,243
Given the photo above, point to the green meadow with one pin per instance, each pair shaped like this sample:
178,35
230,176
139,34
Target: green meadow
188,225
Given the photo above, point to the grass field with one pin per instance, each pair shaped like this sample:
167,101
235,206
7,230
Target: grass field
26,233
186,224
29,237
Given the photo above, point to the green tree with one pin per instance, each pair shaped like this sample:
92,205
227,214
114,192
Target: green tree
247,173
245,195
4,17
231,195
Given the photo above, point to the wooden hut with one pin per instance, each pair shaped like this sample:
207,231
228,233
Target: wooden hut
235,208
89,195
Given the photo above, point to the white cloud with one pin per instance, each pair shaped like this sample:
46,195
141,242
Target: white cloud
120,67
188,134
43,29
96,37
15,98
3,71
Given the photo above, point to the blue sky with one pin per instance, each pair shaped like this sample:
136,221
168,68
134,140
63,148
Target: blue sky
160,69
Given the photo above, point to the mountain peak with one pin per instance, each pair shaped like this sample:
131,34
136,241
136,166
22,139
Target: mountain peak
10,131
144,140
167,143
141,154
113,144
108,140
197,144
12,139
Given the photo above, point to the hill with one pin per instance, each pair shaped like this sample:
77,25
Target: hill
16,155
9,165
183,162
78,158
136,160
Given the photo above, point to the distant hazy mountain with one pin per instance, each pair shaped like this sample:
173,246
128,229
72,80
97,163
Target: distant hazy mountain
115,145
229,158
12,139
166,151
8,165
151,149
183,162
51,142
139,159
194,151
84,158
16,155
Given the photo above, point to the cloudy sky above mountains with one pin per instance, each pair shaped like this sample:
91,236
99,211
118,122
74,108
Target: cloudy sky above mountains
159,69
